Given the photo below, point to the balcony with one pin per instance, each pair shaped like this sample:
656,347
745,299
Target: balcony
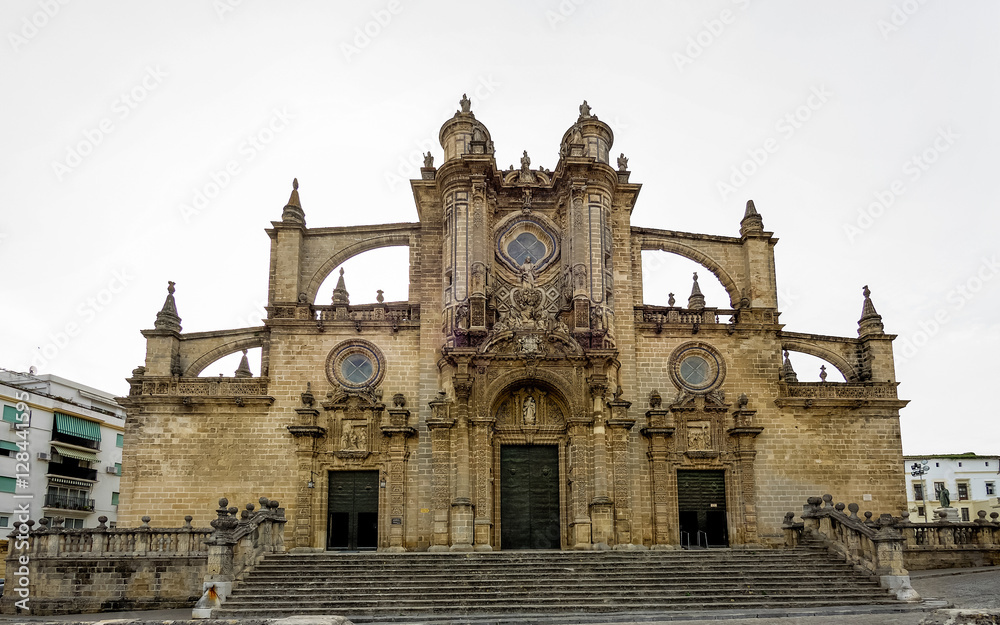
60,437
57,468
62,502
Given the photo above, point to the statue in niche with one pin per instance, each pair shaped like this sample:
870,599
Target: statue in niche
528,411
528,273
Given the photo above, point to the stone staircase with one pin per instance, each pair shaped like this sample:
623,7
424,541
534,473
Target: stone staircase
528,585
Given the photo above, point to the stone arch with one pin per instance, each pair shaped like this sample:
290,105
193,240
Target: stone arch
835,359
706,261
506,382
206,359
338,257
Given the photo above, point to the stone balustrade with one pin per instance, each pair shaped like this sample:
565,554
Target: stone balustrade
876,547
839,390
661,315
396,313
55,570
56,541
200,387
892,546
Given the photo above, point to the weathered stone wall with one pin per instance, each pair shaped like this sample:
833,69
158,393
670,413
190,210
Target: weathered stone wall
179,458
69,585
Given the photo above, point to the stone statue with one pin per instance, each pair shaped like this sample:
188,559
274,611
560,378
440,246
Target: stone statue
622,162
528,410
528,272
428,160
584,109
525,161
945,497
465,103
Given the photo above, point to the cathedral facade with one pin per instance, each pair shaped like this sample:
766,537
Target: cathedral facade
524,396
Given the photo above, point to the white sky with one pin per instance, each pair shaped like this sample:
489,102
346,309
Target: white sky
691,89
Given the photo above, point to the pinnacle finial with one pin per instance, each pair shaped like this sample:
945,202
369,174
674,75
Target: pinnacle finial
789,372
871,321
293,212
697,300
752,223
243,371
167,318
340,294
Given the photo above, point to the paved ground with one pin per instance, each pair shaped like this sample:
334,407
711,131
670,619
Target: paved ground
951,597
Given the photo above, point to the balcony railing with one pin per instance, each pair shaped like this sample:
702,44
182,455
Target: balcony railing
56,468
64,502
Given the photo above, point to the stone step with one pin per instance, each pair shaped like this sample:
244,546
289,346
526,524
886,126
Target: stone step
532,586
307,580
411,614
380,586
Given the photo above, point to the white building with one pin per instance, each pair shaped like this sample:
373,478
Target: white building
60,450
971,481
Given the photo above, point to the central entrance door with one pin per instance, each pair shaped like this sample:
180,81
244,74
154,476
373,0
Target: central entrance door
353,519
529,497
701,500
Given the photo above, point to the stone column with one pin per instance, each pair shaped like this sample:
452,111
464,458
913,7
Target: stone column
440,425
482,452
461,507
601,507
306,432
398,430
579,431
660,431
744,435
620,424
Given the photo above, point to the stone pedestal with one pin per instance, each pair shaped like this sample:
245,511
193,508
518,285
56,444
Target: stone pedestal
950,514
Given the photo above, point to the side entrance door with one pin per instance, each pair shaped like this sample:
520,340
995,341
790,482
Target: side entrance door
529,497
353,506
701,500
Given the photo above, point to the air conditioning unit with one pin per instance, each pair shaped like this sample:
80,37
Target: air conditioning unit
112,470
43,456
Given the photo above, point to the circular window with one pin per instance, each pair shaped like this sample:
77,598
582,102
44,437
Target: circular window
526,237
697,368
694,370
355,364
357,368
526,245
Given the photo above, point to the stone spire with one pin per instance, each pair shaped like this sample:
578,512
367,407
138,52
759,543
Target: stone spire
293,212
340,294
752,222
243,371
696,301
167,318
788,372
871,321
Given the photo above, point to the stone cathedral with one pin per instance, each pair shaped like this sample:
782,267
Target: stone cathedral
524,396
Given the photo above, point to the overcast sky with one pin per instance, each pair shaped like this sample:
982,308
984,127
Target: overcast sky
145,142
